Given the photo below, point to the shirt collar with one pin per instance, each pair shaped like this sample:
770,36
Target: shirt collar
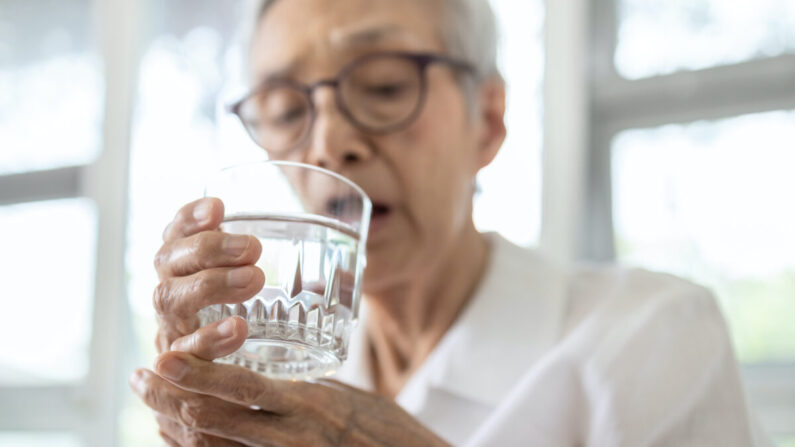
514,316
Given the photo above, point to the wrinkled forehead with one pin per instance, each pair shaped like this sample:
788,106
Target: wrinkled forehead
298,37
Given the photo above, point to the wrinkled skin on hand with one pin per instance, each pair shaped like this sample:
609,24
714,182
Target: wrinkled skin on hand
202,403
199,402
199,266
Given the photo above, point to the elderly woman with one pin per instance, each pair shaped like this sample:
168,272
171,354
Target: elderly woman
465,339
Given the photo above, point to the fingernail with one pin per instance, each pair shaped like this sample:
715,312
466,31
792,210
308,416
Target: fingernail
239,277
226,329
172,368
235,245
202,211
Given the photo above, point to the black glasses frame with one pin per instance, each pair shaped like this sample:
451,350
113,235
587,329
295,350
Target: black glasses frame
421,61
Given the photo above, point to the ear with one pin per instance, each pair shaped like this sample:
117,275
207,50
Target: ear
491,117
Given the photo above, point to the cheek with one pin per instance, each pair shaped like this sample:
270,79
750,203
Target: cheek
435,170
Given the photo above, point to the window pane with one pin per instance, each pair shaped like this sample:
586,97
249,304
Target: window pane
48,273
181,133
51,85
712,201
658,37
25,439
516,172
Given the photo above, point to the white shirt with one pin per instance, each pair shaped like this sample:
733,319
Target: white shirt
597,356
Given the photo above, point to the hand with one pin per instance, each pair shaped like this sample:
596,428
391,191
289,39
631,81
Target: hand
199,266
204,403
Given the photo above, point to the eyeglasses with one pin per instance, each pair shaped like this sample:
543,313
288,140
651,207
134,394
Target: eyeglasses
378,93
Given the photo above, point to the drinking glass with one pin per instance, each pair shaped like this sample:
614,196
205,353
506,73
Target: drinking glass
312,224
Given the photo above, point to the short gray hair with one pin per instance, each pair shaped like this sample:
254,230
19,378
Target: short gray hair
469,32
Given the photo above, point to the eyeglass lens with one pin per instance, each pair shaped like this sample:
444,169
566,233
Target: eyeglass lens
376,94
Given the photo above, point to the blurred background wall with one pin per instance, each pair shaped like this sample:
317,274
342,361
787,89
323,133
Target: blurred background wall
657,134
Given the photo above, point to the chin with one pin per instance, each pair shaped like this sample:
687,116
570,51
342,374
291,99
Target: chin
376,280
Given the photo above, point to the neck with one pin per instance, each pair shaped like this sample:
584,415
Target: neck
406,321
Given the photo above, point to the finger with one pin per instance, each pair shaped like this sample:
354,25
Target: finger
200,215
205,250
214,340
167,334
229,382
177,300
208,414
181,435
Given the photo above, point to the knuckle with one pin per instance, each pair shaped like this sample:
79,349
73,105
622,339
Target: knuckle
161,341
202,283
161,258
161,297
198,245
149,393
203,246
247,392
192,414
187,343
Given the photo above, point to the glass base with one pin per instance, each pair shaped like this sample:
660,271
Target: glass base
292,345
284,360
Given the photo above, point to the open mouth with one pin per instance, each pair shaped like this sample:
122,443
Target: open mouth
380,210
349,209
351,205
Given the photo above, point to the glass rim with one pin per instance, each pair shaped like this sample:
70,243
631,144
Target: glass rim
362,230
296,164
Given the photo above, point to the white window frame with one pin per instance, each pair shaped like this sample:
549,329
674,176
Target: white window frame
587,103
90,409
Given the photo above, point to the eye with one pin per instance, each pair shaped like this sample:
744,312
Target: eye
386,90
289,116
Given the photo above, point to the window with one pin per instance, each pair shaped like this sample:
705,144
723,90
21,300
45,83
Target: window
48,307
51,85
62,129
518,165
691,124
656,38
20,439
711,201
180,135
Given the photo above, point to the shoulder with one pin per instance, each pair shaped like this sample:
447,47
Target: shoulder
620,294
643,337
601,299
635,321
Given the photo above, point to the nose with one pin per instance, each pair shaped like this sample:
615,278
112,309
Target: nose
335,143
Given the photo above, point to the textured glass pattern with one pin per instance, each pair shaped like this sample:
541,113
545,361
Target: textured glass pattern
51,85
46,292
659,37
712,201
308,298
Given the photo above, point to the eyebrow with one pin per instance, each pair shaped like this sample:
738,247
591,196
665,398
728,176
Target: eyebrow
369,35
343,39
